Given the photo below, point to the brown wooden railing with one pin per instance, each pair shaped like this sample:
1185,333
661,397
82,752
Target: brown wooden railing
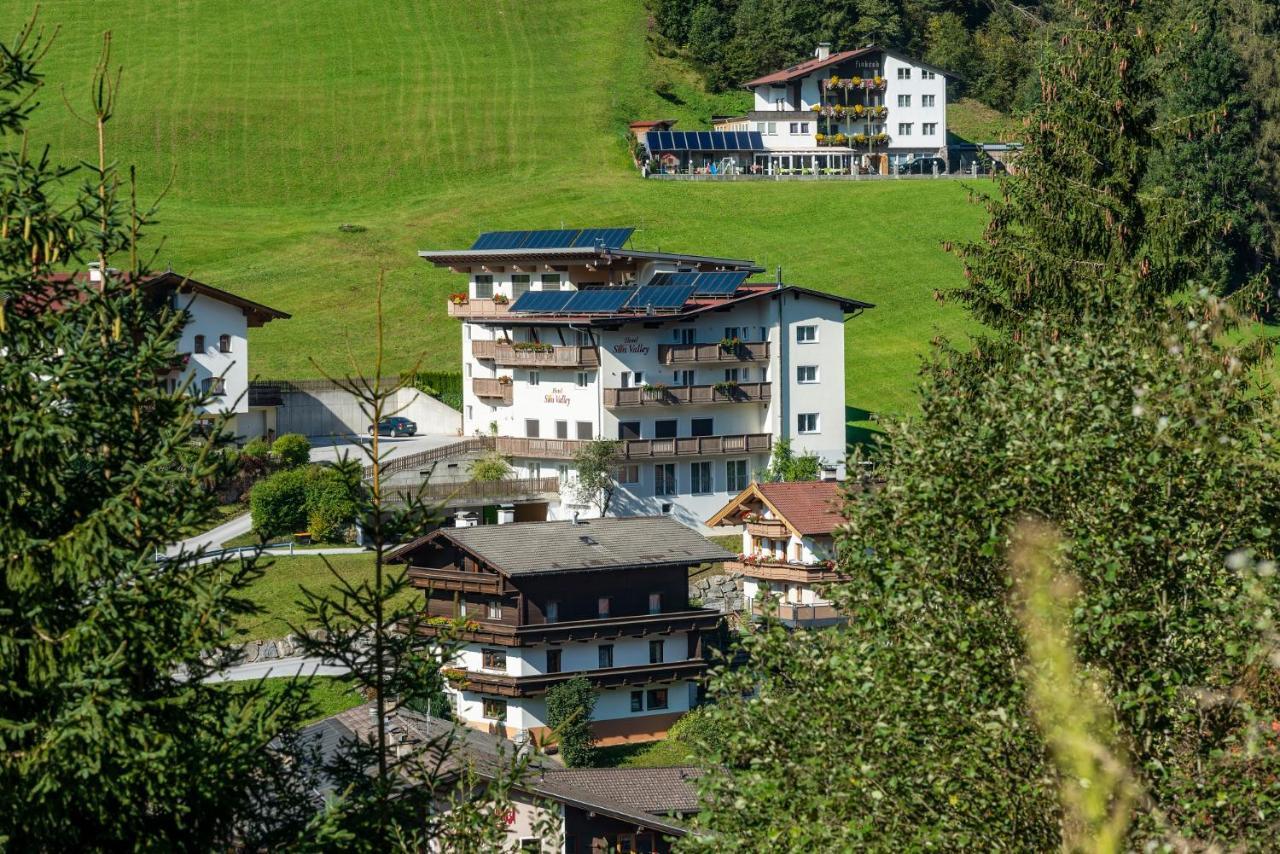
672,354
510,355
768,528
480,490
797,613
687,394
420,460
781,570
636,625
488,387
478,308
564,449
524,686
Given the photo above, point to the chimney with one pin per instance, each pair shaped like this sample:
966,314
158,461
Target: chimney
823,51
575,518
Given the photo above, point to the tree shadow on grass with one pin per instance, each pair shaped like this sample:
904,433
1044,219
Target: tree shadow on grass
860,430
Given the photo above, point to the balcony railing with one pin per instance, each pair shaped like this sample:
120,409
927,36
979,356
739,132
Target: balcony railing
476,490
564,449
688,394
773,528
676,354
511,355
636,625
783,570
478,308
798,614
492,388
609,677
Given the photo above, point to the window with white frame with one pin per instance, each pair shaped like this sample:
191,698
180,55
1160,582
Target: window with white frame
807,373
807,422
760,127
664,479
735,472
929,129
772,129
484,287
519,285
904,100
550,281
904,73
806,334
928,100
904,128
700,478
927,75
493,609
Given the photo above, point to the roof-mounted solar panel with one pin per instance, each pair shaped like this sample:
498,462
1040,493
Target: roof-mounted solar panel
551,239
718,284
610,238
542,302
598,301
660,297
754,139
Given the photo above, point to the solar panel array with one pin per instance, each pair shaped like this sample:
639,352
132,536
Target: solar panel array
548,302
703,140
703,284
660,297
598,301
563,238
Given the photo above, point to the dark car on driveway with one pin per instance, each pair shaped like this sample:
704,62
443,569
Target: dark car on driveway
394,426
923,166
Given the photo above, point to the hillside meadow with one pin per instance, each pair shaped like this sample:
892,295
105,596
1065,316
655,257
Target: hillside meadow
425,123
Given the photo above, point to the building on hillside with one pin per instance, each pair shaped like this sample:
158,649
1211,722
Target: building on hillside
551,810
857,110
568,336
213,348
543,602
788,548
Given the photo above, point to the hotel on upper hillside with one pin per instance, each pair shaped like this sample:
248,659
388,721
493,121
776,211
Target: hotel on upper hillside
570,336
860,110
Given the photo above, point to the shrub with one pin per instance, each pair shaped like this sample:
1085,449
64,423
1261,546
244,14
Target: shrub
489,468
330,504
292,450
278,503
569,708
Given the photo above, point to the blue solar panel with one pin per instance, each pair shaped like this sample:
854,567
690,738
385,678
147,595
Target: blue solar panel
500,240
660,297
755,140
612,238
598,300
704,140
550,239
542,301
717,141
678,279
716,284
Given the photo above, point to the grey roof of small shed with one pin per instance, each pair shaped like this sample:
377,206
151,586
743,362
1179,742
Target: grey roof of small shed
528,548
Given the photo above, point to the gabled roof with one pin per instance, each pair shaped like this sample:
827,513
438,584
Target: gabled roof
807,508
807,67
658,791
256,313
543,548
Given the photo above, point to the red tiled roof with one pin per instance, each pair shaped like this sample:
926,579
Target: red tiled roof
810,507
807,67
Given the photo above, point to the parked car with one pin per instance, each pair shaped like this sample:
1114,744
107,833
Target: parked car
923,166
394,426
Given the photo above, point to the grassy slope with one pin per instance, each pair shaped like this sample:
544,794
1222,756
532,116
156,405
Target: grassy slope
330,695
427,122
279,589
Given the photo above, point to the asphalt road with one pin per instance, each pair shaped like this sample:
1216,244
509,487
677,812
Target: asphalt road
279,667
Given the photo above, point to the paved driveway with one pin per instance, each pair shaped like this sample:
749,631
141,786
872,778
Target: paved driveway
329,448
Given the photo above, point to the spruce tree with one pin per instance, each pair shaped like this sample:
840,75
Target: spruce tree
109,738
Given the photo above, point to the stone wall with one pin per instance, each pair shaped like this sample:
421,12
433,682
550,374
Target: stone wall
722,592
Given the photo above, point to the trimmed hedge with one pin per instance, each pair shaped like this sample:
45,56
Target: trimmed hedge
444,386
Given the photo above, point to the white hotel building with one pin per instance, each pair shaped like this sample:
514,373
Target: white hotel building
568,336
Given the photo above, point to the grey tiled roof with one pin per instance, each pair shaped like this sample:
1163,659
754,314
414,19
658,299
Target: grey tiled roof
540,547
659,791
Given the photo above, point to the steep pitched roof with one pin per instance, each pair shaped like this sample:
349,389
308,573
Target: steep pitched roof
808,508
539,548
807,67
658,791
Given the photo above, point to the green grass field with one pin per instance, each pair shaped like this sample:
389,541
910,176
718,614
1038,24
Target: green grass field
330,695
279,590
428,122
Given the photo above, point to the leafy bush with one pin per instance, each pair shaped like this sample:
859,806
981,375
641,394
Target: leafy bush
785,466
569,708
330,504
292,450
698,731
278,503
489,468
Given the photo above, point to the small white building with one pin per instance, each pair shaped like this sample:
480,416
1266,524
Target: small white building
697,371
862,109
214,348
788,548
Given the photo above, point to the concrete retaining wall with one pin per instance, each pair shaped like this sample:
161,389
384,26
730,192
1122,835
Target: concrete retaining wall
315,408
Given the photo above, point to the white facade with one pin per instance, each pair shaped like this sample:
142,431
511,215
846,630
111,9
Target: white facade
530,713
804,371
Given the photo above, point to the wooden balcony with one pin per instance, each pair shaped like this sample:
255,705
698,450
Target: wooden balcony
632,449
472,491
456,580
772,528
638,625
492,388
610,677
478,308
799,615
512,356
688,394
782,570
694,354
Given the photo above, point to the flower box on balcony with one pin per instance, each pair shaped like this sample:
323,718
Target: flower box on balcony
500,299
459,299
